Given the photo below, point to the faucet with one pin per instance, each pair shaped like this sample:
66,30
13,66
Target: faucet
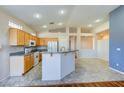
62,48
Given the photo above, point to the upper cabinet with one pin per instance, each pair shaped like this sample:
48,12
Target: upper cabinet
27,38
16,37
20,38
44,41
41,42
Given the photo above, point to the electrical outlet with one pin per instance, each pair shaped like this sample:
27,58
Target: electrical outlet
118,49
117,64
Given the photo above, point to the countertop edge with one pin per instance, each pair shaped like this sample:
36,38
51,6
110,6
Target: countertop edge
60,52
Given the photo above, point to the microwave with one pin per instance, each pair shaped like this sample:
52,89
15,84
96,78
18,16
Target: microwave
32,43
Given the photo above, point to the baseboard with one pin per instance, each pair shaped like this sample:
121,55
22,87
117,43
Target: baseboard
4,78
86,57
94,57
116,70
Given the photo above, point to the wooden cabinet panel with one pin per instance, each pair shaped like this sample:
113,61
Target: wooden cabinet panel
40,42
28,62
37,41
32,60
16,37
40,57
20,37
27,39
44,41
13,36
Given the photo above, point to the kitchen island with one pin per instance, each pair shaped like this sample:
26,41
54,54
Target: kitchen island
56,65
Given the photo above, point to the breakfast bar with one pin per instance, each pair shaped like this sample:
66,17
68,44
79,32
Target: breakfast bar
56,65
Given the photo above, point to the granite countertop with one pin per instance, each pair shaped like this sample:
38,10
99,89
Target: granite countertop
67,51
21,53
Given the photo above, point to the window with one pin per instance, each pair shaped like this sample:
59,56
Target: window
86,42
14,25
72,30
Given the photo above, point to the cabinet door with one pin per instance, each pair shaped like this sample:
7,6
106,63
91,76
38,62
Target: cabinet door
27,38
20,37
40,57
31,37
32,60
45,41
35,39
27,63
41,42
38,41
13,36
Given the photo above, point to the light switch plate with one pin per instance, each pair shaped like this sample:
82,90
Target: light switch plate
117,64
118,49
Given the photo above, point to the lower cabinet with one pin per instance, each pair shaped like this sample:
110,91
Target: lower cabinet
40,57
19,65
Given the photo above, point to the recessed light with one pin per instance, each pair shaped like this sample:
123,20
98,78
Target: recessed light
44,26
90,25
97,21
62,12
60,24
37,16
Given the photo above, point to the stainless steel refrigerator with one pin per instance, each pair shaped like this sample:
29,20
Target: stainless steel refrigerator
52,46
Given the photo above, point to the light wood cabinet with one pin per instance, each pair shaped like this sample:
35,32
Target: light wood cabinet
27,38
19,37
28,62
41,42
32,59
44,41
16,37
40,57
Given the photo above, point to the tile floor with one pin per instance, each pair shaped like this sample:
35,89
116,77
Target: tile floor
87,70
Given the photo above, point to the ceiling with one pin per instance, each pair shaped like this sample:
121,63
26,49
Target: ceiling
74,15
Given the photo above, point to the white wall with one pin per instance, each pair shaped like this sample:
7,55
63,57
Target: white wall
102,46
6,49
87,53
103,49
102,27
